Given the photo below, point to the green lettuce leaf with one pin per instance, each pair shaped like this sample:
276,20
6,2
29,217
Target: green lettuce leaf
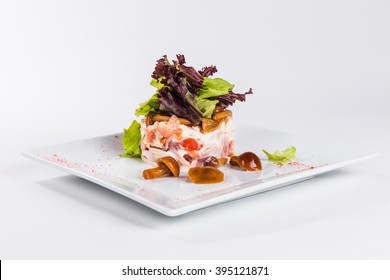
206,106
157,83
281,157
149,106
213,87
131,140
152,104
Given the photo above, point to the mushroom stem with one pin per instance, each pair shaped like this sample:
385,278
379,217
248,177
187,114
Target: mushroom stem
234,161
166,167
222,161
156,172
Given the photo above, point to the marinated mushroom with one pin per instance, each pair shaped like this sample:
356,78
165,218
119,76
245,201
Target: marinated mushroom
222,161
211,161
233,161
209,125
218,109
215,122
222,115
205,175
161,118
166,167
248,161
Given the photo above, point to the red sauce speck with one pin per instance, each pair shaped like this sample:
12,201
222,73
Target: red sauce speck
57,159
297,164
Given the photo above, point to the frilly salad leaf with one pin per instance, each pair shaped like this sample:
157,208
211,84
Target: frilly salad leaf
213,87
281,157
157,83
206,106
131,140
187,93
152,104
231,97
149,106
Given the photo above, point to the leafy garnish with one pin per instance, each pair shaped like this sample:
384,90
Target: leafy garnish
229,99
187,93
152,104
157,83
213,87
208,71
281,157
131,140
206,106
149,106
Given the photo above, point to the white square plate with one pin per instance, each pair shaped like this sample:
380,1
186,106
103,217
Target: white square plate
97,160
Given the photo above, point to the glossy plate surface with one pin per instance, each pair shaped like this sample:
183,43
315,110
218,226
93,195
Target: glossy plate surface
97,160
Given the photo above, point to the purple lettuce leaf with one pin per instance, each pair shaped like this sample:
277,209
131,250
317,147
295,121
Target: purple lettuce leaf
183,83
193,76
208,71
181,86
231,97
181,105
163,69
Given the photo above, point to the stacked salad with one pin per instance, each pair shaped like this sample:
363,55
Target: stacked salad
186,117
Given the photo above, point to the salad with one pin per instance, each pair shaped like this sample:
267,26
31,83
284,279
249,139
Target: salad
187,123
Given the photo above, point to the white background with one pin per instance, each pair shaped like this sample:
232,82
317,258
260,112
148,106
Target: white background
76,69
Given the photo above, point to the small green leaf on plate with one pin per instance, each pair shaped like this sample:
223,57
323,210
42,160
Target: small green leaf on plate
281,157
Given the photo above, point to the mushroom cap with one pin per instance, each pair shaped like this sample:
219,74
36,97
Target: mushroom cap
249,161
205,175
170,163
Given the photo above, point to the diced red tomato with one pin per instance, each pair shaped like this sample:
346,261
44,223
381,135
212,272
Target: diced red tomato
190,144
